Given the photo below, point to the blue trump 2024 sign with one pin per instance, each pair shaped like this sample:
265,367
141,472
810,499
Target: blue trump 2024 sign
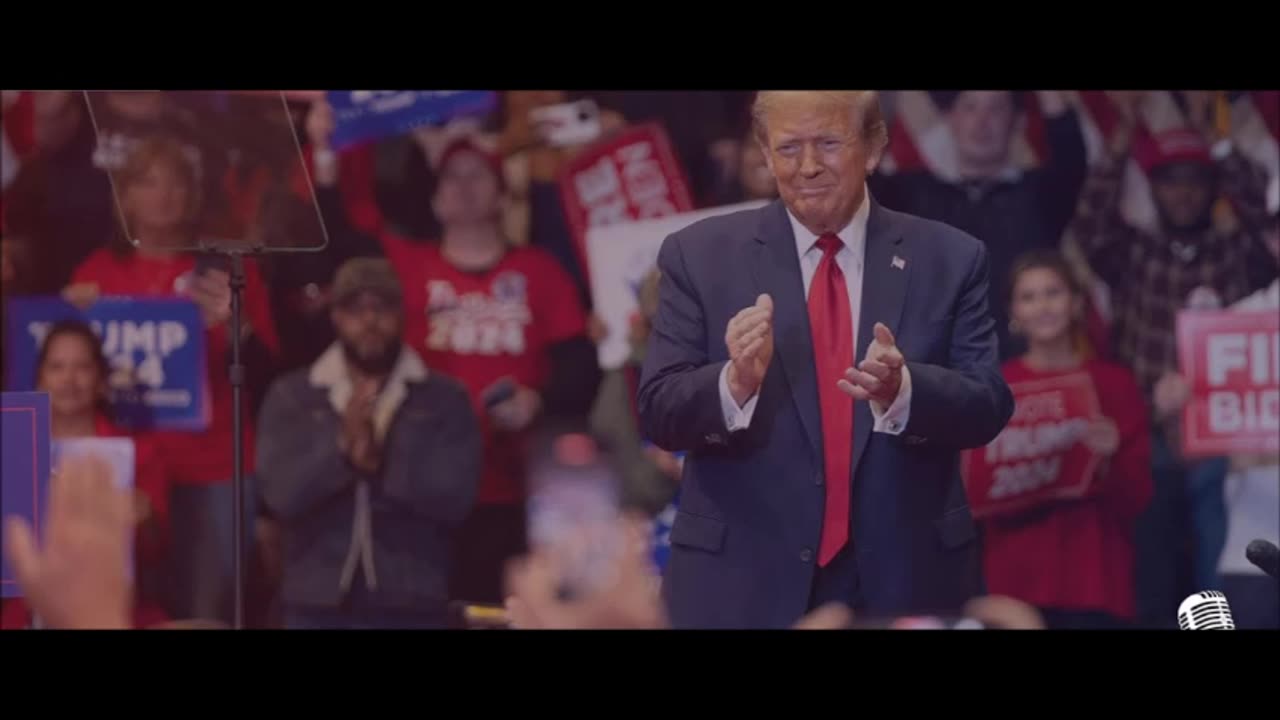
156,348
24,466
361,115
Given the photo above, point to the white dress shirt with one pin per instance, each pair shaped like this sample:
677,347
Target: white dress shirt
850,259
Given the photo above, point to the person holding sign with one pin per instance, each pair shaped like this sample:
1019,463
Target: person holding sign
1059,536
1249,498
1191,258
160,200
73,370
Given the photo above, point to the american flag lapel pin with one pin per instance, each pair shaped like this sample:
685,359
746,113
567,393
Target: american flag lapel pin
898,263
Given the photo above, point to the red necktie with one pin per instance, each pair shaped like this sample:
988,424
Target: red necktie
832,329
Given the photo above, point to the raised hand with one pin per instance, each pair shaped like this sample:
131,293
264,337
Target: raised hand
1128,103
82,295
878,378
211,292
76,576
749,339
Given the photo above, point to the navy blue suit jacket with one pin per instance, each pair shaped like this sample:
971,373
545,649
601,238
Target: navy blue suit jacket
745,539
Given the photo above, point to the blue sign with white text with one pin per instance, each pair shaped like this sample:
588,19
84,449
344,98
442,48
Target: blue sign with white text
155,346
24,467
361,115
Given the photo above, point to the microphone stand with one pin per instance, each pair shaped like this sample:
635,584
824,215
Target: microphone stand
236,374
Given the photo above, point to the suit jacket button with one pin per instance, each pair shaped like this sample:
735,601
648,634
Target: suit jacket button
806,555
817,478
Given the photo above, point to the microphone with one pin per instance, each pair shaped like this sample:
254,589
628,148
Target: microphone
1265,556
1206,610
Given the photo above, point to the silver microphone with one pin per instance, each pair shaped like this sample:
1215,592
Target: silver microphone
1206,610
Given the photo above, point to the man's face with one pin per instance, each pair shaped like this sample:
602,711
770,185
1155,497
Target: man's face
368,326
820,161
982,123
1183,194
467,191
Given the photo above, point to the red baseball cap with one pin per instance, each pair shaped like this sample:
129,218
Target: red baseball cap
464,144
1176,145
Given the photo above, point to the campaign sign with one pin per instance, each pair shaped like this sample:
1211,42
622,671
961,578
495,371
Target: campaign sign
24,466
1231,360
631,176
156,348
361,115
1040,456
620,258
117,452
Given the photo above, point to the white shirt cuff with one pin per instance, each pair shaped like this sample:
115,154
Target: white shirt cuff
894,420
735,418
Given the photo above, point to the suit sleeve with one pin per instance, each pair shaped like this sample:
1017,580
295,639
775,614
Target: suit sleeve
436,471
298,468
679,397
970,387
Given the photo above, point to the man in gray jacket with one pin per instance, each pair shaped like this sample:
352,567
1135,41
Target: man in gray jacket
368,463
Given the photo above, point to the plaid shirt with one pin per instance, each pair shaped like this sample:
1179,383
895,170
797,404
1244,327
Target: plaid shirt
1152,277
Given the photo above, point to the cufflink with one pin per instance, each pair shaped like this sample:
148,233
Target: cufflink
895,426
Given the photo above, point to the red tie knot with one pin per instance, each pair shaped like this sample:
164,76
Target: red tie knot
829,244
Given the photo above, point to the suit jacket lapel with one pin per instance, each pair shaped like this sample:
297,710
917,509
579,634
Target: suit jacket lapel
776,267
885,271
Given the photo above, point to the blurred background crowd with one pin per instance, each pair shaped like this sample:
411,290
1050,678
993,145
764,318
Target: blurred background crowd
403,381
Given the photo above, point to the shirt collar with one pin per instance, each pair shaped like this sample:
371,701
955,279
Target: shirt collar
853,235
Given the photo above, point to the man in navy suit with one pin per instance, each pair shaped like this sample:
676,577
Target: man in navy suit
812,477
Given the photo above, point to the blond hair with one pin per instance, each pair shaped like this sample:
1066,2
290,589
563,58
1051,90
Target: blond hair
865,103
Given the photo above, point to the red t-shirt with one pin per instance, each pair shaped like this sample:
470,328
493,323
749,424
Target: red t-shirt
1078,554
482,326
204,457
151,476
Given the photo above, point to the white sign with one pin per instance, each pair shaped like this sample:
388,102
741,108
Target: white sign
620,257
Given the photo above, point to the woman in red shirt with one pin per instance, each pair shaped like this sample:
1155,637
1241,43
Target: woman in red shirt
73,370
160,202
1073,559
